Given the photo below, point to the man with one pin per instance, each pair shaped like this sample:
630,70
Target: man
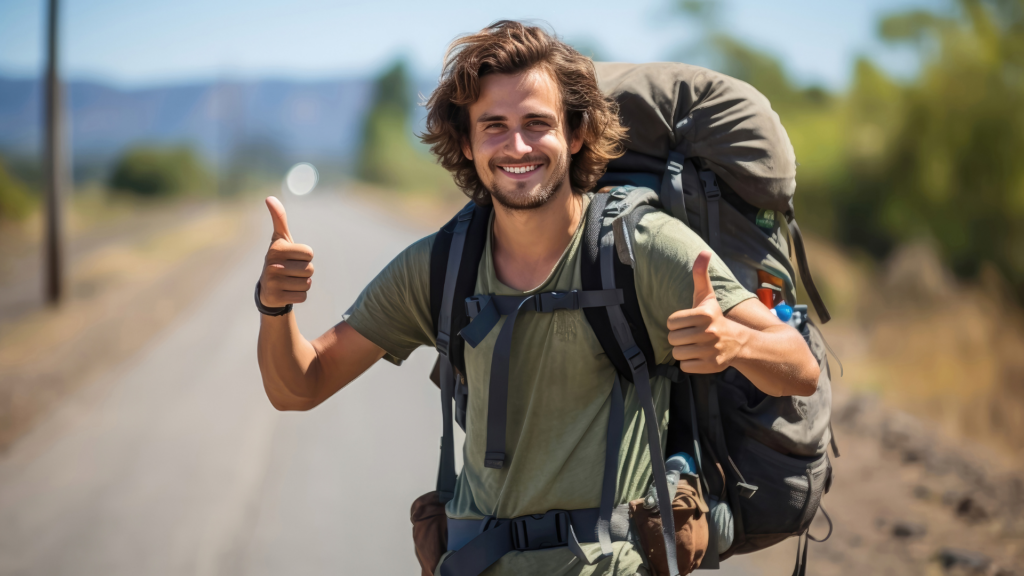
519,121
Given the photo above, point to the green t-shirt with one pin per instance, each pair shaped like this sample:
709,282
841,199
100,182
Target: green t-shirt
560,382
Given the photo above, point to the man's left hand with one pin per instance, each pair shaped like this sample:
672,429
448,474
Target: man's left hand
703,339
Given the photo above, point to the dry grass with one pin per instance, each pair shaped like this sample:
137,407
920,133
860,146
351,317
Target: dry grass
119,296
940,349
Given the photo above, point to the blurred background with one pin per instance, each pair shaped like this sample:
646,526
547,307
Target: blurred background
134,434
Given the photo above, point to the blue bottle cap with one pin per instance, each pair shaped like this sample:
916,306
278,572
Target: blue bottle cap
784,312
682,462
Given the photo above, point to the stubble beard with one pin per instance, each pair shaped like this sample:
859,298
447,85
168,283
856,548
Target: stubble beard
519,198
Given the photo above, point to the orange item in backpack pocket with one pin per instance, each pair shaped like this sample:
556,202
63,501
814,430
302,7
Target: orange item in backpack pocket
770,289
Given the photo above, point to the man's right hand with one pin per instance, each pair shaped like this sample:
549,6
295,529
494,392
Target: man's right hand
288,267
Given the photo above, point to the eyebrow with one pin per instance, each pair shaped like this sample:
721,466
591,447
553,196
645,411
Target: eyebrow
529,116
490,118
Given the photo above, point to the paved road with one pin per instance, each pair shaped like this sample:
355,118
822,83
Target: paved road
175,463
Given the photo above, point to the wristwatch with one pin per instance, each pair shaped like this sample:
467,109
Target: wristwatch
279,311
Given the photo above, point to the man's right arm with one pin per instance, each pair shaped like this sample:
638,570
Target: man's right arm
298,374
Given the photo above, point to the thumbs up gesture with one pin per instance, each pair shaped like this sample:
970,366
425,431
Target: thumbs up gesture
288,267
703,339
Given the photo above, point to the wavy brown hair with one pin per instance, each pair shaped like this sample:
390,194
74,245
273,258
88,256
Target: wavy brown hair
509,47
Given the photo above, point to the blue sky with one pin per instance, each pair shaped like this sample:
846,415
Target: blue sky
145,42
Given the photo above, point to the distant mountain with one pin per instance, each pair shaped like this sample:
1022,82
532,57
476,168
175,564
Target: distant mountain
304,120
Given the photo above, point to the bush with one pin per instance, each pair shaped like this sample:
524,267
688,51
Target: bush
15,200
154,171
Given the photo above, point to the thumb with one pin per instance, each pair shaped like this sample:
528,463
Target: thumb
279,217
702,289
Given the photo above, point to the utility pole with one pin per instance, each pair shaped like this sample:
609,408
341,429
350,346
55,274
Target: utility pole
53,164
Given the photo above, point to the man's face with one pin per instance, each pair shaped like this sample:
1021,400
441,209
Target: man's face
518,139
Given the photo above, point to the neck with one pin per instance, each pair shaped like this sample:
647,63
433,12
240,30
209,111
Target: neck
528,243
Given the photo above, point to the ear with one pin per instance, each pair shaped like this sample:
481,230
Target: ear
467,150
576,144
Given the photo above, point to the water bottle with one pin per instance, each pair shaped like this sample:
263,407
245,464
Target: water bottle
721,519
677,465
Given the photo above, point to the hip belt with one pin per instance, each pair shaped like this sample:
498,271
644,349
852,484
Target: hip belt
479,543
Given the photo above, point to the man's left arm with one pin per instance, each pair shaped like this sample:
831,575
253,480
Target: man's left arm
770,353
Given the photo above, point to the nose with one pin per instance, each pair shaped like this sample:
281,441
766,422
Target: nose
518,145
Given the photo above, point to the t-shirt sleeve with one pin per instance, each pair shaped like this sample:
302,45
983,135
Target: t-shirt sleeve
393,311
665,250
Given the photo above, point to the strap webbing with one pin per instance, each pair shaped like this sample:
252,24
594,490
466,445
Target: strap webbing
480,553
716,431
477,544
711,559
444,322
801,555
671,195
697,456
497,398
805,271
641,380
611,468
709,182
804,540
486,311
446,466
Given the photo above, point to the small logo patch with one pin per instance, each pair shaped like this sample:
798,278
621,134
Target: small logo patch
765,219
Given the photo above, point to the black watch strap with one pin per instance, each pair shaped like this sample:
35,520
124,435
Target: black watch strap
280,311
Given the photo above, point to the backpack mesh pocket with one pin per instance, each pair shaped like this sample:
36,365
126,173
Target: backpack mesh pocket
789,489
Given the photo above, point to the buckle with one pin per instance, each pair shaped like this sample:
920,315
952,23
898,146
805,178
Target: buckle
550,301
635,358
494,460
710,181
474,304
746,490
443,341
541,530
488,523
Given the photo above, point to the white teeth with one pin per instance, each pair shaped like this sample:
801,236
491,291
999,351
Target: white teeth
519,169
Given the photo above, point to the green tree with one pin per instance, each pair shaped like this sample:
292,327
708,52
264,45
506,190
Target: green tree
891,161
158,171
389,156
947,160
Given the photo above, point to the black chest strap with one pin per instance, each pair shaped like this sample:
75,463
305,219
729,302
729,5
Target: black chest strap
486,311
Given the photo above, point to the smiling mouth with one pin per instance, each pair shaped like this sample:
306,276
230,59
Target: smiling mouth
520,169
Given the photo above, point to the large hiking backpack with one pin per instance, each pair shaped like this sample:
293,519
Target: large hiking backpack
709,150
720,160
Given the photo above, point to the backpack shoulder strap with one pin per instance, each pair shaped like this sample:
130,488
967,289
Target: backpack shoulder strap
454,261
805,270
625,339
459,277
621,210
625,206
